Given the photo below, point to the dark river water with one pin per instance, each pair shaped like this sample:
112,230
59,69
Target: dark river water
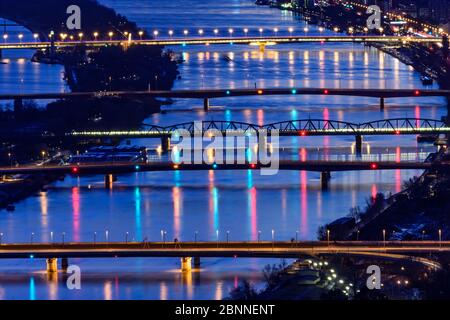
210,203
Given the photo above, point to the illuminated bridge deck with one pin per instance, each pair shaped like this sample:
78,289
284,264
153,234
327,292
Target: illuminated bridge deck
227,40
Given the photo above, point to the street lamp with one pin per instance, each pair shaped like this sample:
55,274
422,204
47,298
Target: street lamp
32,235
171,33
95,36
106,235
290,31
246,31
230,31
336,29
155,33
35,36
273,239
261,30
305,29
200,32
63,235
80,35
126,237
110,34
350,30
228,235
5,37
217,237
328,237
20,36
275,31
384,237
321,29
259,236
195,236
140,33
95,237
296,236
216,31
440,237
51,236
185,32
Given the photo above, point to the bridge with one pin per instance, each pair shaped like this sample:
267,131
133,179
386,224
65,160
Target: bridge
238,249
245,40
207,94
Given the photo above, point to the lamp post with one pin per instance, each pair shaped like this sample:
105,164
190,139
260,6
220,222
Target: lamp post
1,238
245,31
275,30
95,36
51,237
140,33
216,31
384,237
32,235
95,237
328,237
126,237
171,33
228,235
63,235
195,236
106,235
230,31
296,236
273,239
35,36
217,237
110,34
440,237
261,30
259,236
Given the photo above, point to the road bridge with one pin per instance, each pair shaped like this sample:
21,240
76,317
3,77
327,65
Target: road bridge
237,249
207,94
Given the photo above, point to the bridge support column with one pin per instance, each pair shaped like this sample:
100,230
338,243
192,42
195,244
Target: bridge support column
109,181
165,144
358,144
196,262
186,264
18,106
64,264
52,265
381,103
206,104
325,177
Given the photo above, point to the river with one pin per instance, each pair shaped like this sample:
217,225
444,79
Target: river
210,203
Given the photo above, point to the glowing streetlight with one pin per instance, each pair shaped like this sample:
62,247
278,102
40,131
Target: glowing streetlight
35,36
336,29
107,235
230,31
110,34
321,29
155,33
366,29
95,35
440,237
305,29
171,33
261,30
328,237
140,33
350,30
20,36
245,31
384,237
80,35
381,30
5,37
290,31
185,32
200,32
273,239
275,31
216,31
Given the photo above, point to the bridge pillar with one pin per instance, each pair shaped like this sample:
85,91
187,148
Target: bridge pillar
52,265
165,144
206,104
109,181
358,144
186,264
64,264
381,103
18,105
196,262
325,177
